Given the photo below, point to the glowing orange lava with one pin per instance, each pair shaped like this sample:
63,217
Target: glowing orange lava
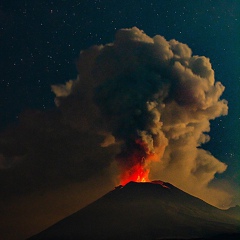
137,173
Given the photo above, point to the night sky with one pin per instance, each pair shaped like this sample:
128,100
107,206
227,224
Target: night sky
40,42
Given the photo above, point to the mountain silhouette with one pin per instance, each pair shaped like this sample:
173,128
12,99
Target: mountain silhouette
151,210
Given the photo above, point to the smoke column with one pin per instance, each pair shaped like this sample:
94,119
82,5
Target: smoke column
154,100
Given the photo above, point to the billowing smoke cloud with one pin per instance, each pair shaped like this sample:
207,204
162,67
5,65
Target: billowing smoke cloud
138,110
153,99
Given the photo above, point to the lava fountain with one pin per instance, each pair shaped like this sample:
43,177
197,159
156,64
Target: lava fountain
137,173
134,166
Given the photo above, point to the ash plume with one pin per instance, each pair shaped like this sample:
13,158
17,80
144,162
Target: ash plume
154,100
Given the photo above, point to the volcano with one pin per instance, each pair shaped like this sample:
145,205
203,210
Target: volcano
149,210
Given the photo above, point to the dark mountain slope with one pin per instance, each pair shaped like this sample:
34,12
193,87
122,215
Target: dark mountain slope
154,210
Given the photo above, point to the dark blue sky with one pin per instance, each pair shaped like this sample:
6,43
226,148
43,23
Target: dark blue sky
40,42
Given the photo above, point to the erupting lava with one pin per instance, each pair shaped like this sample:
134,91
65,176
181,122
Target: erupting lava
135,167
137,173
